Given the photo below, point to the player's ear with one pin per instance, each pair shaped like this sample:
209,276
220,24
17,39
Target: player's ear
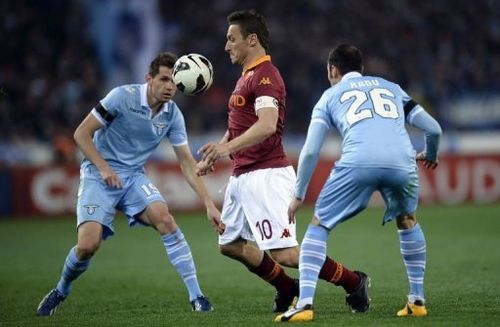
329,70
148,77
253,39
335,72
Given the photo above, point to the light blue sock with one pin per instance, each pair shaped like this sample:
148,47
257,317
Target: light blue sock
312,258
71,270
180,256
412,247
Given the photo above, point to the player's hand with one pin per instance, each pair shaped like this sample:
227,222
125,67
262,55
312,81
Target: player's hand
214,217
203,168
292,209
211,152
111,178
427,163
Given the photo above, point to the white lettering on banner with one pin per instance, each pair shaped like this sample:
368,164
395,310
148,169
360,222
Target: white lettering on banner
458,179
446,192
49,202
486,181
476,180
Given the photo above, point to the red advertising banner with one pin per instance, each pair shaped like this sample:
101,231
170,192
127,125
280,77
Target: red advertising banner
52,190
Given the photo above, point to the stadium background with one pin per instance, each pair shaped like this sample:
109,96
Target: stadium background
58,58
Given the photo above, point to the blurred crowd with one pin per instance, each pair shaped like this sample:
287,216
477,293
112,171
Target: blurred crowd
59,58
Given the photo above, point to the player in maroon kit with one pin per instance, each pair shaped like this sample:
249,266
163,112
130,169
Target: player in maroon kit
263,181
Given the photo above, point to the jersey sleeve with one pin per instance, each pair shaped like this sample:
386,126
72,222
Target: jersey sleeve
177,134
109,107
309,156
417,116
320,113
268,88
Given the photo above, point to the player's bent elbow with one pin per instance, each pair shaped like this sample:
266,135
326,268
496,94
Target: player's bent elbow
78,135
269,130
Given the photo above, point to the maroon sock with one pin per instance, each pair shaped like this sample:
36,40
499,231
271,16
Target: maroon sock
335,272
271,272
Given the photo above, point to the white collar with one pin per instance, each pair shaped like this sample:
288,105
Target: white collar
350,75
144,99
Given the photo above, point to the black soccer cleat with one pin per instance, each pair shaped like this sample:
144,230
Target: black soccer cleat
201,304
282,302
49,303
359,300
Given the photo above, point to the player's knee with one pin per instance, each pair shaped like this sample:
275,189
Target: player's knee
406,221
165,224
86,249
230,250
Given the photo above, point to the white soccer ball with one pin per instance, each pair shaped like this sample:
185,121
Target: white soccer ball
193,74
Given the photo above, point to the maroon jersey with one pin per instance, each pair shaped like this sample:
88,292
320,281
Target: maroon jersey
260,79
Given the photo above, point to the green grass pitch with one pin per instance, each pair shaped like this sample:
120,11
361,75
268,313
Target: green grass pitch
131,283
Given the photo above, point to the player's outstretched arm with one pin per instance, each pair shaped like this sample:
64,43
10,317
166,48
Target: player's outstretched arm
309,156
83,138
423,121
188,167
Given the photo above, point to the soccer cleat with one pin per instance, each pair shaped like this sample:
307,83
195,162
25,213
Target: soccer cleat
303,314
282,302
416,309
49,303
359,301
201,304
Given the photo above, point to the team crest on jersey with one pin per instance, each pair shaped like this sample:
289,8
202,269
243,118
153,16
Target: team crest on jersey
249,74
265,81
91,208
159,127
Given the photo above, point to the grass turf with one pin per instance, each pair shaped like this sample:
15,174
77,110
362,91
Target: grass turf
131,283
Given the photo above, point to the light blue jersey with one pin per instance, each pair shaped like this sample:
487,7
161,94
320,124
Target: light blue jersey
377,154
130,134
128,137
369,113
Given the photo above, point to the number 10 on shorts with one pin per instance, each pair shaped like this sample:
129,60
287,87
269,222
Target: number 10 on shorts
265,229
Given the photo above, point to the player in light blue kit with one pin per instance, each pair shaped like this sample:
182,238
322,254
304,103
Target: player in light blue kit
117,138
377,155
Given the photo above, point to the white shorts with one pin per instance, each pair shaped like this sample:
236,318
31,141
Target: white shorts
255,208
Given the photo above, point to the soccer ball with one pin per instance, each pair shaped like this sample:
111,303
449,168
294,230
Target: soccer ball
193,74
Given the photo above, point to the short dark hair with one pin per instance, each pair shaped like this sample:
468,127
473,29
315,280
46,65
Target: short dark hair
166,59
346,58
251,22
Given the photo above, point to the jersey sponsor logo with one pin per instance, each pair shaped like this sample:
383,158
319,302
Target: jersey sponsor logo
265,81
286,233
130,89
91,208
237,100
137,111
159,127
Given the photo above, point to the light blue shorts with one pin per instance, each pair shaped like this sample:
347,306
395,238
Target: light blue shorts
348,190
98,202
